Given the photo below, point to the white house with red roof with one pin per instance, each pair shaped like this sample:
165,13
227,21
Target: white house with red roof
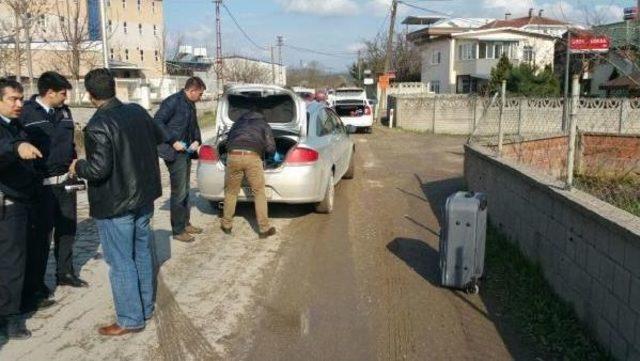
459,59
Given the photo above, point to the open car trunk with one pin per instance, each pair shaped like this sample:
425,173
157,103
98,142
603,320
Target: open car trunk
350,109
275,161
279,108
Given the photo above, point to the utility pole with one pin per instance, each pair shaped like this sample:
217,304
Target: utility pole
280,45
360,65
103,31
219,63
16,38
387,60
567,70
273,65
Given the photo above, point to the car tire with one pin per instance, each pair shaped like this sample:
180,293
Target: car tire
351,171
368,130
326,205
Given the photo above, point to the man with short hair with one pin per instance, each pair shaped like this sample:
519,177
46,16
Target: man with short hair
178,118
124,180
49,126
17,191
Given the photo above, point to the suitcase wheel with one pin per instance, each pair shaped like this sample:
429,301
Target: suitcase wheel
473,288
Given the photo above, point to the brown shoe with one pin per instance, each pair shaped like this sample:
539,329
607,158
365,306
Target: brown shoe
115,330
184,237
268,233
193,230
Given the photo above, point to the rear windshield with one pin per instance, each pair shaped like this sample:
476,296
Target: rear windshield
351,93
280,108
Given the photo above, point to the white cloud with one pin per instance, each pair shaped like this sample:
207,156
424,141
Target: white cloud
321,7
516,8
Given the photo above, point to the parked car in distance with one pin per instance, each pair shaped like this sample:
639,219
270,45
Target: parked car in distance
353,107
314,149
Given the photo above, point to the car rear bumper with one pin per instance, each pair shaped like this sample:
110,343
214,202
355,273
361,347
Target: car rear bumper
292,185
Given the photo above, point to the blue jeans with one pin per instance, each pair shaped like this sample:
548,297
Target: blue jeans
180,179
127,243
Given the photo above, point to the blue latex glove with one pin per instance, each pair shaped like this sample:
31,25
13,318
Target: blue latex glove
277,157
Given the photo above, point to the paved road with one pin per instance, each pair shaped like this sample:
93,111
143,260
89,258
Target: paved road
359,284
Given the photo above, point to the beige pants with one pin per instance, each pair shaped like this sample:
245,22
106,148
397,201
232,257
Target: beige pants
238,167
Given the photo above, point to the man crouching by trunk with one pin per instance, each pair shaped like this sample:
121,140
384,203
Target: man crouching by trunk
250,140
122,169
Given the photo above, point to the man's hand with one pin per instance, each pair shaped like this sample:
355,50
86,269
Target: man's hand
194,147
179,146
27,151
72,168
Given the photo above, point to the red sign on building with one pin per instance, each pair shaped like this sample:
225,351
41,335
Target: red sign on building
589,44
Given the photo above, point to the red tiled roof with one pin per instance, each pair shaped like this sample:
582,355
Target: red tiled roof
521,22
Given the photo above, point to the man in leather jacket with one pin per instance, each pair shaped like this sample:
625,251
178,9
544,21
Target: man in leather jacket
122,170
18,184
178,119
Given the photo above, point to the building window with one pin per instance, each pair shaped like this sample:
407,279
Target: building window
141,55
528,55
434,86
111,53
126,54
124,27
139,5
155,54
124,4
467,51
153,6
110,26
436,57
155,30
140,29
499,49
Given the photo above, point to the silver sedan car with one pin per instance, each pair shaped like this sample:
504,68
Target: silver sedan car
314,150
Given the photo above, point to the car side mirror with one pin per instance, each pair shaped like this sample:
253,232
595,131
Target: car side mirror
351,129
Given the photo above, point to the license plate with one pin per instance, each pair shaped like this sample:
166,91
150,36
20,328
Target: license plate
246,192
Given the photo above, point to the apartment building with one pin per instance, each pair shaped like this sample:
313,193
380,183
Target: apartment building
134,33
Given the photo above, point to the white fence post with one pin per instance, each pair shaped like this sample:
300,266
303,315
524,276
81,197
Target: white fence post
391,113
575,97
433,120
503,93
520,102
624,106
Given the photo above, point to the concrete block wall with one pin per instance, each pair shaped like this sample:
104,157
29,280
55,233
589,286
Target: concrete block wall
589,250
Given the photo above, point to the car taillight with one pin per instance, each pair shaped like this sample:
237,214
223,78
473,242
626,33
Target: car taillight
367,110
208,154
302,156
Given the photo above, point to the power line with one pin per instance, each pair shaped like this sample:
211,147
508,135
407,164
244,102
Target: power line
242,30
317,52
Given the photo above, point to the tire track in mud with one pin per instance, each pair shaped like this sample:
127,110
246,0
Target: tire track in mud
179,339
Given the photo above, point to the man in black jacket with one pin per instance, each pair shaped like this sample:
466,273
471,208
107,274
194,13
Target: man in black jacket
249,141
178,119
124,180
49,126
17,190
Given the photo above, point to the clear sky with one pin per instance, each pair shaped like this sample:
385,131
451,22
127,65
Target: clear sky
336,28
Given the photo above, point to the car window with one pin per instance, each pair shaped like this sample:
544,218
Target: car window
325,123
340,128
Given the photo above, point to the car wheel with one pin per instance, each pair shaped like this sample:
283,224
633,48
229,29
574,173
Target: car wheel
326,206
351,171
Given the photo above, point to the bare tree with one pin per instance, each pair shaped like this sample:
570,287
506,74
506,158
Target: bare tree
79,48
247,71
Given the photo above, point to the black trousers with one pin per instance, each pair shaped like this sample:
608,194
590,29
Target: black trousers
13,244
54,215
180,177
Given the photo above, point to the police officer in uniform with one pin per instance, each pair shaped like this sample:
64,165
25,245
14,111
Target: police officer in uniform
17,189
49,126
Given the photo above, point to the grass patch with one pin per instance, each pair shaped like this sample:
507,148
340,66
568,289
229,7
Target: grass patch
530,305
622,192
207,119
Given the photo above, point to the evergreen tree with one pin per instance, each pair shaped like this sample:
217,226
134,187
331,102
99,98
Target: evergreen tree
499,73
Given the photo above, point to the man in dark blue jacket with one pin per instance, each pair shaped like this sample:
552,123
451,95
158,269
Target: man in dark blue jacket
50,127
17,191
178,118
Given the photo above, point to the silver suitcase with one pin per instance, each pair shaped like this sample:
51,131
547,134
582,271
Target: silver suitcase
462,241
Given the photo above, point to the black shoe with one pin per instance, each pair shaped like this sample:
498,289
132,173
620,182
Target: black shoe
35,304
225,230
69,279
16,330
268,233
